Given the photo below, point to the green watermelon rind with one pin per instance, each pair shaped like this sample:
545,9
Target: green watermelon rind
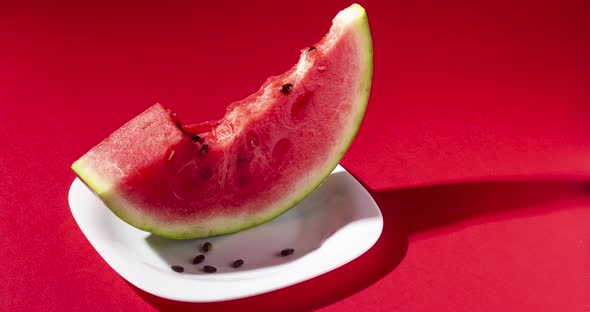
124,209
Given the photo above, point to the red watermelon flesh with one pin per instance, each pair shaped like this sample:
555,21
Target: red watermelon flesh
266,154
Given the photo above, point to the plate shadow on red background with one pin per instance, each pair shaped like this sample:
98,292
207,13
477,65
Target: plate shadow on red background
409,214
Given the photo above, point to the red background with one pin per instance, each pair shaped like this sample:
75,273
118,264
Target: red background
476,143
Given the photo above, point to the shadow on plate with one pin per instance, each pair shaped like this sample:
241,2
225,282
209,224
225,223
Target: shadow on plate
330,208
420,213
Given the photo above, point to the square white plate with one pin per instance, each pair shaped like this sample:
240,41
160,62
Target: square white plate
332,226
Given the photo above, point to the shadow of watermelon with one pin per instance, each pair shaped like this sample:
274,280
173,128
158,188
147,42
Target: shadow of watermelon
305,228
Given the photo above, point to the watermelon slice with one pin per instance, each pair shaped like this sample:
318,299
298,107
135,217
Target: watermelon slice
264,156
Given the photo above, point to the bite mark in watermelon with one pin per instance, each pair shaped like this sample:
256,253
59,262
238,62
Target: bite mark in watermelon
265,155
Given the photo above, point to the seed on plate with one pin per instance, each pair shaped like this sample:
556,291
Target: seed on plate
287,88
177,268
198,259
238,263
207,246
209,269
287,251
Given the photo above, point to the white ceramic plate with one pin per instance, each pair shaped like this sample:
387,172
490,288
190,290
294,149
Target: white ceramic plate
332,226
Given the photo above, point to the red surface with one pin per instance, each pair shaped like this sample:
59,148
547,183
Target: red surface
476,144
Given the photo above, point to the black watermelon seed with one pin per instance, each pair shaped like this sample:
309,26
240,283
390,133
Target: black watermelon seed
209,269
207,246
287,88
177,268
198,259
311,49
195,138
176,120
287,251
238,263
204,149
